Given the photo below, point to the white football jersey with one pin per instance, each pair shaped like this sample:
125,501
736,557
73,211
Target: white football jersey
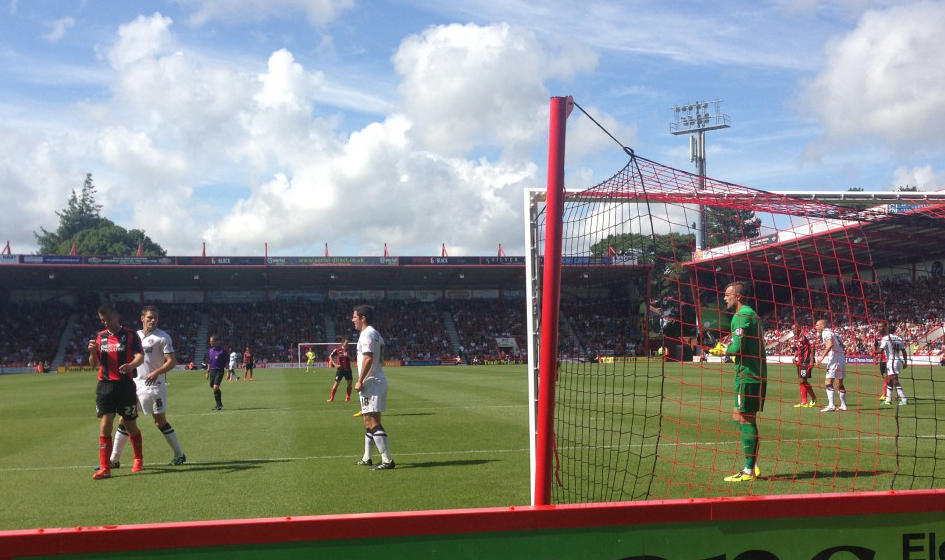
234,357
893,346
837,353
156,345
371,342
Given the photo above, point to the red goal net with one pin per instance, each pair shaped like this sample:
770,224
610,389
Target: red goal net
643,392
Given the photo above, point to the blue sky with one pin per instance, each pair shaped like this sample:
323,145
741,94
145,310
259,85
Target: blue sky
414,123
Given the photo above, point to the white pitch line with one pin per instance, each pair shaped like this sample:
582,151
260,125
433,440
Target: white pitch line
429,453
274,459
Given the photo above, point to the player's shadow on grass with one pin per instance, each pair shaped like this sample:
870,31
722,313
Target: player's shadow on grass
227,467
410,414
457,463
826,475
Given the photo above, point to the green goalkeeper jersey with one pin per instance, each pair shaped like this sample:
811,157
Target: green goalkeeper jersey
748,346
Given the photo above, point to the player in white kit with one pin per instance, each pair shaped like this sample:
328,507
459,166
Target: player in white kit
231,373
151,382
371,386
835,359
893,348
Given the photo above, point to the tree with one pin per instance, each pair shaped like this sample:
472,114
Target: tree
727,225
648,248
855,189
908,188
81,222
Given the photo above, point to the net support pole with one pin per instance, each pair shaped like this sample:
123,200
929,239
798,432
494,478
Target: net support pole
551,295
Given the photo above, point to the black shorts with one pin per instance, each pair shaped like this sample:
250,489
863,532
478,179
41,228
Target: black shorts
117,397
804,373
216,377
248,367
343,374
882,368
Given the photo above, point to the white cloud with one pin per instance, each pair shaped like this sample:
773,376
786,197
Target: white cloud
318,12
144,37
195,149
885,79
467,86
924,177
59,28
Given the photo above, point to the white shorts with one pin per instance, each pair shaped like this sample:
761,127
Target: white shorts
894,367
373,395
152,399
835,370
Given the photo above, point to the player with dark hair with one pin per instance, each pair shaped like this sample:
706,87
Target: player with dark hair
893,346
751,371
116,351
248,364
151,383
217,357
804,359
880,358
340,358
371,386
835,359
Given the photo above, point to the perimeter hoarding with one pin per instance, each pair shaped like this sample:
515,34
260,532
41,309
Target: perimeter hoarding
868,526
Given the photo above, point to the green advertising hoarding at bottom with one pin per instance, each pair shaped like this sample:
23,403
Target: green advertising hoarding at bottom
906,536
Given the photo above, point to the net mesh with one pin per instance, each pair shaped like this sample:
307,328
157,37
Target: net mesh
644,410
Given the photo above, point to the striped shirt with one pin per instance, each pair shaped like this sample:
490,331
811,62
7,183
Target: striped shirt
115,349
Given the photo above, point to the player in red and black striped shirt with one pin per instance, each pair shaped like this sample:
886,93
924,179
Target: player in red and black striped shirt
339,357
804,358
116,352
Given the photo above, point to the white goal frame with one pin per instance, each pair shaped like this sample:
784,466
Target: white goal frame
324,364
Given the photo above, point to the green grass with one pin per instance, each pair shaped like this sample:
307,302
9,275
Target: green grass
683,444
459,436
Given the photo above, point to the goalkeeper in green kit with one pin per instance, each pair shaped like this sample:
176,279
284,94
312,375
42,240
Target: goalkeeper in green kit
751,373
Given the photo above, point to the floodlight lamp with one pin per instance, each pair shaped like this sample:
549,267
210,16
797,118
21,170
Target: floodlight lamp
332,276
52,275
196,276
461,276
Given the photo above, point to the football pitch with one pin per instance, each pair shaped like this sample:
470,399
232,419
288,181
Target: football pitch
458,436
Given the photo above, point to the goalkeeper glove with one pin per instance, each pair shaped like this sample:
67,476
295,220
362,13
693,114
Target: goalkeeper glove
718,350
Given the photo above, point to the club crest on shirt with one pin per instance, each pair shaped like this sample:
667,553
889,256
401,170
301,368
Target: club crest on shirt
739,331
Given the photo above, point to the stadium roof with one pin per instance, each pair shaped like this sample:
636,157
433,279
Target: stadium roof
232,273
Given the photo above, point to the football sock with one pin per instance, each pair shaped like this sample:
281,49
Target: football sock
171,436
121,438
889,391
829,395
218,395
811,397
380,440
843,396
136,446
104,451
900,392
803,393
885,387
749,433
333,393
348,392
368,444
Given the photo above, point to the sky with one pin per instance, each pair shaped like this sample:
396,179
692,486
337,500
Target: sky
419,123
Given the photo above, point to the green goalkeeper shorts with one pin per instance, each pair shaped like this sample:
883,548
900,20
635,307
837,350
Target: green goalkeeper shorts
749,397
